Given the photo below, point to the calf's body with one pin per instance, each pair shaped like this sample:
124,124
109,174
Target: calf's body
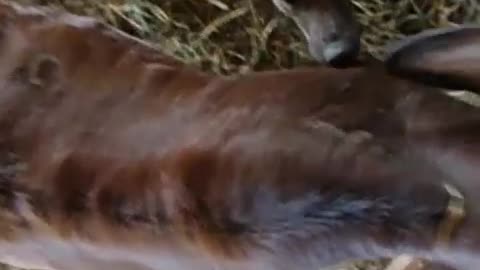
133,160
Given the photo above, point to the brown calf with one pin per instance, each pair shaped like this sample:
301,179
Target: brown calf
134,161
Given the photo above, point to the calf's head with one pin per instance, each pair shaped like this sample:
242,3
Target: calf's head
330,27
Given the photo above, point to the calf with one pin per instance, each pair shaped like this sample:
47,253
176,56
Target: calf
135,161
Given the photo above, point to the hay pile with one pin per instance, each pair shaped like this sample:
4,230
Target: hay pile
231,36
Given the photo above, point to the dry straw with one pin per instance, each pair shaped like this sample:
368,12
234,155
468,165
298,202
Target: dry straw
230,36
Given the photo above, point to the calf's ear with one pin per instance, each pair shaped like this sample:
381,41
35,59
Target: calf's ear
446,58
44,71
